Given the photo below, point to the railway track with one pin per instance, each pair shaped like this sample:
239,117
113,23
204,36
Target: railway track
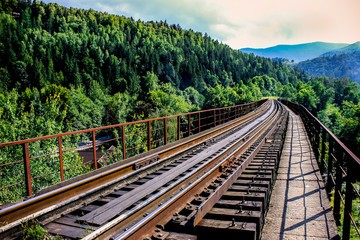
179,194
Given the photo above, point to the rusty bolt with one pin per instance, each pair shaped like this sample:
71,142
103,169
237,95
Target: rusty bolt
240,209
232,224
243,225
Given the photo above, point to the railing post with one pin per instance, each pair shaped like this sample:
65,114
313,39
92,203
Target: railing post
199,122
123,142
314,134
94,149
338,183
323,142
178,123
329,183
61,160
317,140
348,198
28,183
149,135
165,131
214,117
312,130
219,117
189,123
222,116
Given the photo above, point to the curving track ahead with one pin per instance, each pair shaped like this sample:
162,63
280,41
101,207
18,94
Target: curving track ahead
176,194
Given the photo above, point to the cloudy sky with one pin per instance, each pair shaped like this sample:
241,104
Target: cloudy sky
245,23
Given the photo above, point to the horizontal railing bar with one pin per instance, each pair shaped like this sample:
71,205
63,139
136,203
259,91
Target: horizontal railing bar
43,175
7,186
6,164
110,126
44,155
75,167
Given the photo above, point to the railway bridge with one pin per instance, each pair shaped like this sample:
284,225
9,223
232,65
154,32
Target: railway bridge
262,170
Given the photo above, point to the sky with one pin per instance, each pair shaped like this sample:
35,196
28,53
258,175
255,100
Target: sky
245,23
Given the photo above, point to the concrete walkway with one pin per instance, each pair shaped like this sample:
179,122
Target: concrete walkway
299,206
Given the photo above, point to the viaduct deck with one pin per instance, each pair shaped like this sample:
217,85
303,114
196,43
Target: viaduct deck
213,189
299,205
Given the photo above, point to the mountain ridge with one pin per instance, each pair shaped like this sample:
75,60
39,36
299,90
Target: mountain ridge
296,52
355,47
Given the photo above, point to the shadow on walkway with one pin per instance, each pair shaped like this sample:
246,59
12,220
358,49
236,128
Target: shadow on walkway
299,206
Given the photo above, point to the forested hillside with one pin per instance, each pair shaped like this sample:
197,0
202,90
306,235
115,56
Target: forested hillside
355,47
66,69
97,69
343,64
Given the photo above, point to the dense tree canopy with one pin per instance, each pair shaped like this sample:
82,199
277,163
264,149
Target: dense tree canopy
65,69
91,69
101,60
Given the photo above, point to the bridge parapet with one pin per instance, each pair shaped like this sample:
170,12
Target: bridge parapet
339,167
27,166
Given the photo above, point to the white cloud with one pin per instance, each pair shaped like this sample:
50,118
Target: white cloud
244,23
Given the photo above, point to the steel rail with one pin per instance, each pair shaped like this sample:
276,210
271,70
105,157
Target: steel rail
106,230
157,216
215,196
129,199
38,205
28,151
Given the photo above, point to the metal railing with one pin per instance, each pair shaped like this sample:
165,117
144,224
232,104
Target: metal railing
339,167
62,157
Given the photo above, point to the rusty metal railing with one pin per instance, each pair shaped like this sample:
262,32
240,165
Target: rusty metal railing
339,167
51,159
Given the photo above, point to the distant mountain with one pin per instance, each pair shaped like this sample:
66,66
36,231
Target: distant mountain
347,65
298,52
355,47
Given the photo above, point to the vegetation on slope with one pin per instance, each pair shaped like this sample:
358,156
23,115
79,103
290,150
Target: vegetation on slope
67,69
94,62
343,64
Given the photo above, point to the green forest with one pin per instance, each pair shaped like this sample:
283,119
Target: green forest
66,69
343,64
